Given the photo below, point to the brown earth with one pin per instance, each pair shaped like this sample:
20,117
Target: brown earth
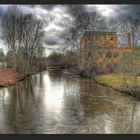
8,76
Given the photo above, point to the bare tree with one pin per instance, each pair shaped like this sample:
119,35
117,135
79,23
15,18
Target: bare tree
32,38
113,24
23,35
92,21
9,24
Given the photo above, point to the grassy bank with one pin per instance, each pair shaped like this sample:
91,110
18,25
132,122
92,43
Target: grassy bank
117,82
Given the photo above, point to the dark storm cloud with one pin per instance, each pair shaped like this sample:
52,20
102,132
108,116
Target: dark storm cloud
74,10
51,41
129,9
125,12
70,10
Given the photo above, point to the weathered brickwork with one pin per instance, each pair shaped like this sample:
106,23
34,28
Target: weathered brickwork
105,43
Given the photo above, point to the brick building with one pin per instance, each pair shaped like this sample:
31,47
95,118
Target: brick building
105,43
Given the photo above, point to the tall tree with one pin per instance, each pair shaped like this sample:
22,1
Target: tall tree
92,21
23,35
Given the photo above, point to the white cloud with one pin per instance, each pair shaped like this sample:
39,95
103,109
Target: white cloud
106,10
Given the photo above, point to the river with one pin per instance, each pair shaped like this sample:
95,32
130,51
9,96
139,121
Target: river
53,102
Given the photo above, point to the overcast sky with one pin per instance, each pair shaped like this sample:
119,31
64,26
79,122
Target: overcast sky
53,17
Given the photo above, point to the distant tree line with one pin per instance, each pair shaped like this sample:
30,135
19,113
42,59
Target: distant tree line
67,59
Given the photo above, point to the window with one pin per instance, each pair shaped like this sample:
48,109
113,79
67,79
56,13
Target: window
109,54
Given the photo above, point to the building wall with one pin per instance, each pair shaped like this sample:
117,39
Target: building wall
102,42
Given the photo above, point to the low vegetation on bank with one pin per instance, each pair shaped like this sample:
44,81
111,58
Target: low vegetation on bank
8,76
117,82
111,80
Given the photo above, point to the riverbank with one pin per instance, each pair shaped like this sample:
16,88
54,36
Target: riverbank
9,76
116,82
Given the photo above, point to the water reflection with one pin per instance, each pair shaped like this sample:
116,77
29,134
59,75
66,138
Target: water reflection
53,102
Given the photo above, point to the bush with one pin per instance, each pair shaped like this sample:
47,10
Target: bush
55,58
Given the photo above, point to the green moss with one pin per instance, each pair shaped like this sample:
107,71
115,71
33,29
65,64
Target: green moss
112,80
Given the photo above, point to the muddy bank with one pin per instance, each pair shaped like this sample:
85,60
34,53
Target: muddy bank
9,77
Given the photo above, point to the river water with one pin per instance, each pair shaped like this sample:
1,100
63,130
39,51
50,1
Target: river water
53,102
